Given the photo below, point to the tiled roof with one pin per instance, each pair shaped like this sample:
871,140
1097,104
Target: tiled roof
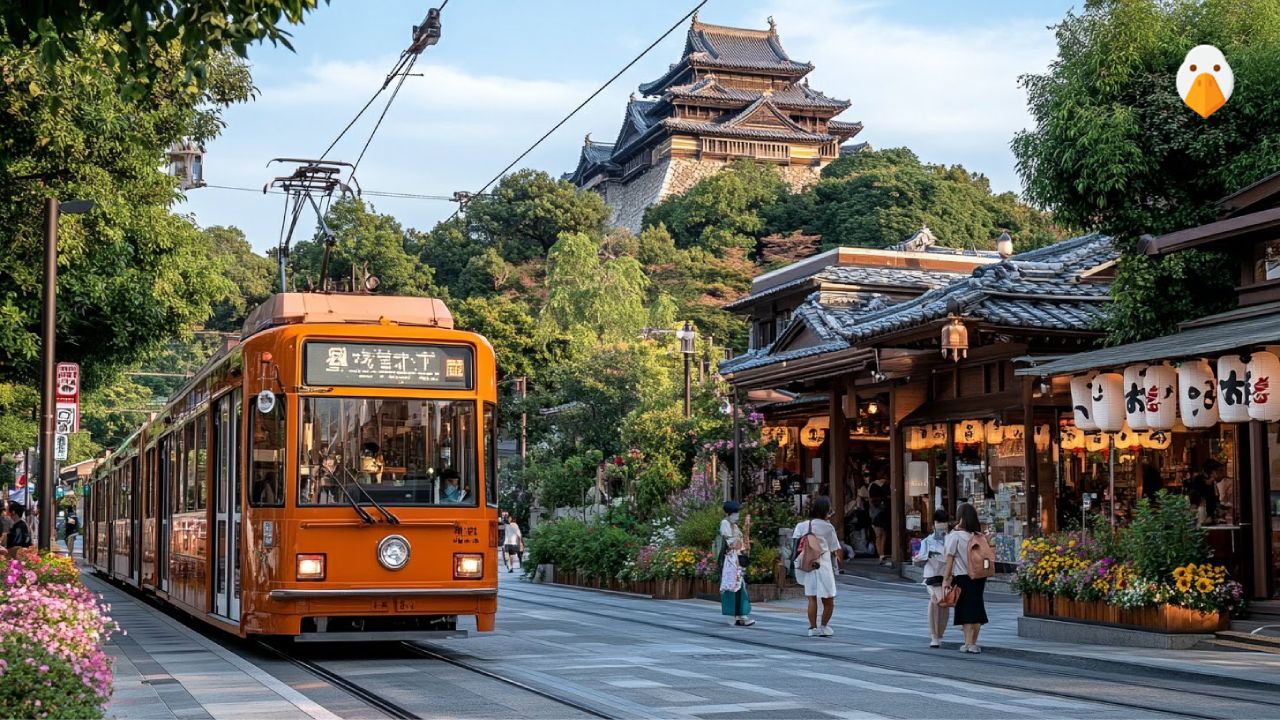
594,156
761,357
718,46
856,275
798,95
844,130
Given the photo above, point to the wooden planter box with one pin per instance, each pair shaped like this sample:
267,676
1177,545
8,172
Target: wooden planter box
763,592
674,589
1169,619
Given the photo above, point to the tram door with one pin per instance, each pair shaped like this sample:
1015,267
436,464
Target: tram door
135,519
227,515
165,509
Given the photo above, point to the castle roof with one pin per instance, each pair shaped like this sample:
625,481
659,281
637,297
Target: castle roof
798,96
728,48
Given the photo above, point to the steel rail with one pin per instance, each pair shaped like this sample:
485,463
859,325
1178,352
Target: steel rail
361,693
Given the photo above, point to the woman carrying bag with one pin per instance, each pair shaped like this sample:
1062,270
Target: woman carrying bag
932,552
733,543
971,611
816,553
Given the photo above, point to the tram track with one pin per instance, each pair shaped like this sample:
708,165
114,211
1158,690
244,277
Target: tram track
629,615
365,695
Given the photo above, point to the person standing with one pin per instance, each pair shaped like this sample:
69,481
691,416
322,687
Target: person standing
512,544
71,528
734,602
820,582
932,551
20,534
6,523
879,495
971,610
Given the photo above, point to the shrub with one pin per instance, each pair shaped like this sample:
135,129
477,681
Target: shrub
35,683
675,562
605,551
768,515
1164,536
763,561
700,527
554,543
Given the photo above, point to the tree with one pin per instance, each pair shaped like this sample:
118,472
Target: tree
583,294
252,277
362,235
1115,149
721,211
57,30
529,210
132,272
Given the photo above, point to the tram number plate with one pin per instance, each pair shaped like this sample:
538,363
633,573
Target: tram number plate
381,605
406,605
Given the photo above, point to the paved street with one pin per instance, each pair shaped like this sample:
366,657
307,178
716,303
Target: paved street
564,652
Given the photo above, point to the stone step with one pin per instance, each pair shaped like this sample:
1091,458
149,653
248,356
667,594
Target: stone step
1253,647
1237,636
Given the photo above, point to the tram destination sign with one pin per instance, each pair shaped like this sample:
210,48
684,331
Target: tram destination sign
445,367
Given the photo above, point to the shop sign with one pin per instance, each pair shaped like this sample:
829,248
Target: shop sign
1264,371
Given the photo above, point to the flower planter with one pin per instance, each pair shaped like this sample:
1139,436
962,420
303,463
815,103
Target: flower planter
1170,619
763,592
1037,605
674,589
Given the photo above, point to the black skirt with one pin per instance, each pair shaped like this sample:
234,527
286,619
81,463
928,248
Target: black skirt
970,609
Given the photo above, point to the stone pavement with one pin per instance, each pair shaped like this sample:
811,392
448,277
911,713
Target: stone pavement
164,669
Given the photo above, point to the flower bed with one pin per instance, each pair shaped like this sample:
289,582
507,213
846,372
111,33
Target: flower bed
1153,575
52,630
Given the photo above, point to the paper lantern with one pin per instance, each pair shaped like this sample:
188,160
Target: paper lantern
1135,396
918,437
1082,402
938,435
1264,373
1042,438
1158,440
1014,432
1233,378
812,436
1072,438
776,434
1127,437
917,478
1197,394
1097,441
992,432
1162,397
969,432
1108,401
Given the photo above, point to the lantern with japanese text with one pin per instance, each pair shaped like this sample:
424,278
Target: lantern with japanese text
1135,396
1197,394
812,436
917,437
1264,372
993,432
1233,398
1042,438
1158,440
776,434
1082,402
1097,441
938,435
1072,438
1162,397
1108,401
969,432
1014,432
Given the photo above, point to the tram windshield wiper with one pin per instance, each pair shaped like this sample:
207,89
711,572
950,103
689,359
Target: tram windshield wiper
364,515
390,517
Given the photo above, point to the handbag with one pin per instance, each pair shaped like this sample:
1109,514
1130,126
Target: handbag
950,597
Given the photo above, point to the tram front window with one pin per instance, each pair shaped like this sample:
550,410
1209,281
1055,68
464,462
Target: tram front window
392,450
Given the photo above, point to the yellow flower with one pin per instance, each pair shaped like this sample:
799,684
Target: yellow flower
1204,585
1180,573
1184,584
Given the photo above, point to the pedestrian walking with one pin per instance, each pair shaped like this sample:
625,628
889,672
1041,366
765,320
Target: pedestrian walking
971,611
817,553
71,528
932,552
513,544
878,493
6,523
19,535
733,547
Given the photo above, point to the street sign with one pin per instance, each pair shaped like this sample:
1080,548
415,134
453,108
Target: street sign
66,418
67,399
61,444
68,384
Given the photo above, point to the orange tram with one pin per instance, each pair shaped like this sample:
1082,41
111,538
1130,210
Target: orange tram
331,476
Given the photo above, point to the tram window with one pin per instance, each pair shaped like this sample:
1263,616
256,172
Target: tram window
491,454
200,480
397,451
266,443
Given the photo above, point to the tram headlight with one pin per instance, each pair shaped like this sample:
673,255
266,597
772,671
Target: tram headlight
393,552
310,567
467,566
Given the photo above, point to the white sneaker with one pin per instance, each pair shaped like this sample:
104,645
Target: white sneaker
814,632
935,643
975,650
826,631
733,621
964,648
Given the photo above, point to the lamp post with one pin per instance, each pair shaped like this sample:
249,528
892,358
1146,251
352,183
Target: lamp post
53,209
688,346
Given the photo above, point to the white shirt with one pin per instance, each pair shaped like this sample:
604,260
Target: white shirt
957,546
730,533
826,534
513,536
933,565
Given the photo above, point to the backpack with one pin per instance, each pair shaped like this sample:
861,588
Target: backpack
982,557
808,553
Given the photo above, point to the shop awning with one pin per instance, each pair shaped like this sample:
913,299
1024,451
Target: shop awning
1193,342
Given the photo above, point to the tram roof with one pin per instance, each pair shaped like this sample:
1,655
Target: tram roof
316,307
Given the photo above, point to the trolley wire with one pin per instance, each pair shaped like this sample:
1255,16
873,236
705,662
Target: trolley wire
375,193
583,104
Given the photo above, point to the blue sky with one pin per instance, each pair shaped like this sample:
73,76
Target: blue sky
938,77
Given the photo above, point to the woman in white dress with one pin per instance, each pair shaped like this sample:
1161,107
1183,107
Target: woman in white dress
820,582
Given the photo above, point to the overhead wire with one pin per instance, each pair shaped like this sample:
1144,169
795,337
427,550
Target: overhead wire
584,103
404,75
375,193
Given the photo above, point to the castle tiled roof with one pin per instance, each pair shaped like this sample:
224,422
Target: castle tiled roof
717,46
797,95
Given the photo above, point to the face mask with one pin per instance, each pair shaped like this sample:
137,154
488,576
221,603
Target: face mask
939,529
734,518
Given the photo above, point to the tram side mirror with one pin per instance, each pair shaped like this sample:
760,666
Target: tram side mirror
266,402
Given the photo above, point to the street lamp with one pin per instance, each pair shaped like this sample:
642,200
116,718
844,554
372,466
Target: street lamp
53,209
688,342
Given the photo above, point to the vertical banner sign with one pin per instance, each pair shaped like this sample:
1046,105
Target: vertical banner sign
67,399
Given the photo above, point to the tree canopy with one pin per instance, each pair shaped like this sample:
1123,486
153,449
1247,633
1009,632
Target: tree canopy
721,211
362,236
1119,151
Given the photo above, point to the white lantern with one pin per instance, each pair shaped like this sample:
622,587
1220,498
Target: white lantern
1097,441
1162,397
1108,401
938,435
1082,402
1135,396
992,432
1233,398
1158,440
1264,373
1197,394
1072,438
1042,438
969,432
812,436
1129,438
917,478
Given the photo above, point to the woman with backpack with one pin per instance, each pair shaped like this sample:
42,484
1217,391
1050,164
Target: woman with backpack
971,611
817,550
734,603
